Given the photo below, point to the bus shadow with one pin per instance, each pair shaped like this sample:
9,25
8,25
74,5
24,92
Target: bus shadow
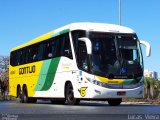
98,104
105,104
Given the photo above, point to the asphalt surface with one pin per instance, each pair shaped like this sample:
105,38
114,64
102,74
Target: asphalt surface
87,110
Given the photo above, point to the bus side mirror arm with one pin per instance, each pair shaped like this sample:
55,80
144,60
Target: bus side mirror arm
148,47
88,44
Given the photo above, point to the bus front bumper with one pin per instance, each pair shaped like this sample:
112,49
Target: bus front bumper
97,92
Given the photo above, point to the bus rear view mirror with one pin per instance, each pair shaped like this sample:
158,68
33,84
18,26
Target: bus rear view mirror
88,44
148,47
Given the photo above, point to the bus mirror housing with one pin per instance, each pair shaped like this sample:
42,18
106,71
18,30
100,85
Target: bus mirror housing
88,44
148,47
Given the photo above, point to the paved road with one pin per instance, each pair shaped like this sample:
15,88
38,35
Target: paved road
13,110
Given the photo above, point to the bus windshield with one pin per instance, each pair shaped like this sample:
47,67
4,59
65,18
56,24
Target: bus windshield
116,55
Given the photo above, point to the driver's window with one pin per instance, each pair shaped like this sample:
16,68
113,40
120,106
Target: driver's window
82,56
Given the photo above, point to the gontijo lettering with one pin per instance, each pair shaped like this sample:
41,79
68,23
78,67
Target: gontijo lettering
27,70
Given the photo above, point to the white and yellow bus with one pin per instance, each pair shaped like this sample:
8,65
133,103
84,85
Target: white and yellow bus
89,61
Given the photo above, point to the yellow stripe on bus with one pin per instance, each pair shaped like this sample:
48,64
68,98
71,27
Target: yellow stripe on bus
38,39
110,81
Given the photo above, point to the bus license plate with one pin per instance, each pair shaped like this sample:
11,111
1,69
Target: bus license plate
121,93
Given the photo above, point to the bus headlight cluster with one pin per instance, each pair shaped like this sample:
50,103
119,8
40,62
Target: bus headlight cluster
115,86
95,81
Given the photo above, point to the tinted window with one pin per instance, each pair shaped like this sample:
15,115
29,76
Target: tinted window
65,46
75,35
51,48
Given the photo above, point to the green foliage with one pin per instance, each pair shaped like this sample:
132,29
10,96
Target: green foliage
151,82
152,88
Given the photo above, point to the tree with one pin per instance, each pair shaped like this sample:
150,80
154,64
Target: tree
4,84
152,88
4,77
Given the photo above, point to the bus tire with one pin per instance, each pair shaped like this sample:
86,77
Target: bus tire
69,95
19,94
115,101
24,95
25,98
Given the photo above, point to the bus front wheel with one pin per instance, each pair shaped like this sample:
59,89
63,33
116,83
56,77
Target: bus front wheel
115,102
69,95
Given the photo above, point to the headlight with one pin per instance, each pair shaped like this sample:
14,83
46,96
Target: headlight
94,81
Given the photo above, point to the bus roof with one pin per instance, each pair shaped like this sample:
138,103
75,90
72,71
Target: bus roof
103,27
88,26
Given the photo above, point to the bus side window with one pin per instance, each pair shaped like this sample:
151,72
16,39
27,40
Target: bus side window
53,47
28,53
21,57
18,57
41,51
50,50
34,52
65,49
13,58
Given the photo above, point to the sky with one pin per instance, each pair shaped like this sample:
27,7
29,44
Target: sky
23,20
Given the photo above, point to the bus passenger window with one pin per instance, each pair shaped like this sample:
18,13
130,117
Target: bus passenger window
34,52
13,58
41,50
28,53
49,50
54,47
